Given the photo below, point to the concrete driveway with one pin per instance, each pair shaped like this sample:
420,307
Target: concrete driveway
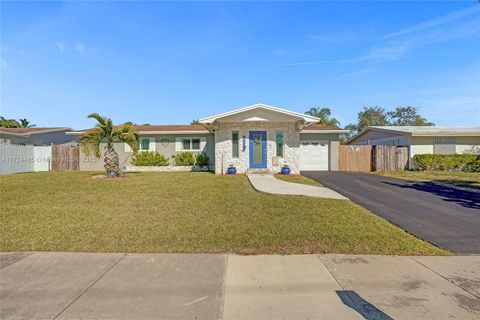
202,286
445,216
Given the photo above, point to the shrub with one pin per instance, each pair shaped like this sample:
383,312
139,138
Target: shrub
149,158
202,159
473,166
185,159
446,162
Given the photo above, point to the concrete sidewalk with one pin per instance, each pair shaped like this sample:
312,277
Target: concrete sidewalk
268,184
201,286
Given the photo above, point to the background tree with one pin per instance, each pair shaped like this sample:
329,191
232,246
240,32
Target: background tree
407,116
377,116
369,116
24,123
325,116
195,122
106,132
9,123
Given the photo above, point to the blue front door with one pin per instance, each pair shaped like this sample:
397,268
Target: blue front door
258,149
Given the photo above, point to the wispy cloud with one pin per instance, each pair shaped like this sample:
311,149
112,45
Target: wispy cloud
395,49
324,39
60,46
315,62
80,48
424,34
385,53
435,22
353,73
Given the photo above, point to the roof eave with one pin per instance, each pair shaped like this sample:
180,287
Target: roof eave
14,134
213,118
175,132
326,131
79,133
446,133
28,134
358,135
49,131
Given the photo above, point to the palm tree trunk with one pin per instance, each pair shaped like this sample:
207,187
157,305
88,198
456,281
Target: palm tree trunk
111,161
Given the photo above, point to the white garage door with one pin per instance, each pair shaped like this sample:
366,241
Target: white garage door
314,156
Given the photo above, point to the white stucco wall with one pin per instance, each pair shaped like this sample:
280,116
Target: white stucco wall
424,145
420,149
223,145
468,148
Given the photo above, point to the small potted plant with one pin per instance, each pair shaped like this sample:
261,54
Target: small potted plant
285,169
231,169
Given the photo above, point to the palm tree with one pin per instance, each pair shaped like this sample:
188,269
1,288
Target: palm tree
9,123
324,115
24,123
106,132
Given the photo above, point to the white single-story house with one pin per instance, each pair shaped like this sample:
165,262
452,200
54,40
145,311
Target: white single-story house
422,139
257,137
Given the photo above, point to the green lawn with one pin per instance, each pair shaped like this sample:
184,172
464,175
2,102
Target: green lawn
184,212
297,179
461,179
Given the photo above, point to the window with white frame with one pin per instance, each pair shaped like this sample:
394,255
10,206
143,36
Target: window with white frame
144,144
235,144
191,144
279,143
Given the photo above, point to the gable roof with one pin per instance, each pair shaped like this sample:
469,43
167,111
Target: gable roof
159,129
26,132
305,117
422,131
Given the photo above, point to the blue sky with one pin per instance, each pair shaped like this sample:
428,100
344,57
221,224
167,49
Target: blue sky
171,62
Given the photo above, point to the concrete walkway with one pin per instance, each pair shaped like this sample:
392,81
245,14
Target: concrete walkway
202,286
268,184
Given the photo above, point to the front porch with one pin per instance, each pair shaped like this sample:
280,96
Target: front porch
256,146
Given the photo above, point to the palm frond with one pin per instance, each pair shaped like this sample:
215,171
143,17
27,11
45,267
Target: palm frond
127,133
97,117
90,142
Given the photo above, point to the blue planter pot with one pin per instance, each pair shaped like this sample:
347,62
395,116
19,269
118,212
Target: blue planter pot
285,170
232,170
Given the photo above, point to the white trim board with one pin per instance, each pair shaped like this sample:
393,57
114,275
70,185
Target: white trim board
305,117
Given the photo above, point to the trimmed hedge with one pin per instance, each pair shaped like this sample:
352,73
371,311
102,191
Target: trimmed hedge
185,159
149,158
447,162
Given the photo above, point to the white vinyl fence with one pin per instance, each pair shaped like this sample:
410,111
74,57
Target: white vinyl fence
24,158
42,158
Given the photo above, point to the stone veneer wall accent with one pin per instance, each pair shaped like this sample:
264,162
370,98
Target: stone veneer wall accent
223,145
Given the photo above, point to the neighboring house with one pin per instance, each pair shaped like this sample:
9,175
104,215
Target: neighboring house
255,137
422,139
36,136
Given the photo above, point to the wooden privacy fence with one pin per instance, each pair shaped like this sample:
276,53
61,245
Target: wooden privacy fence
355,158
366,158
390,158
65,157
